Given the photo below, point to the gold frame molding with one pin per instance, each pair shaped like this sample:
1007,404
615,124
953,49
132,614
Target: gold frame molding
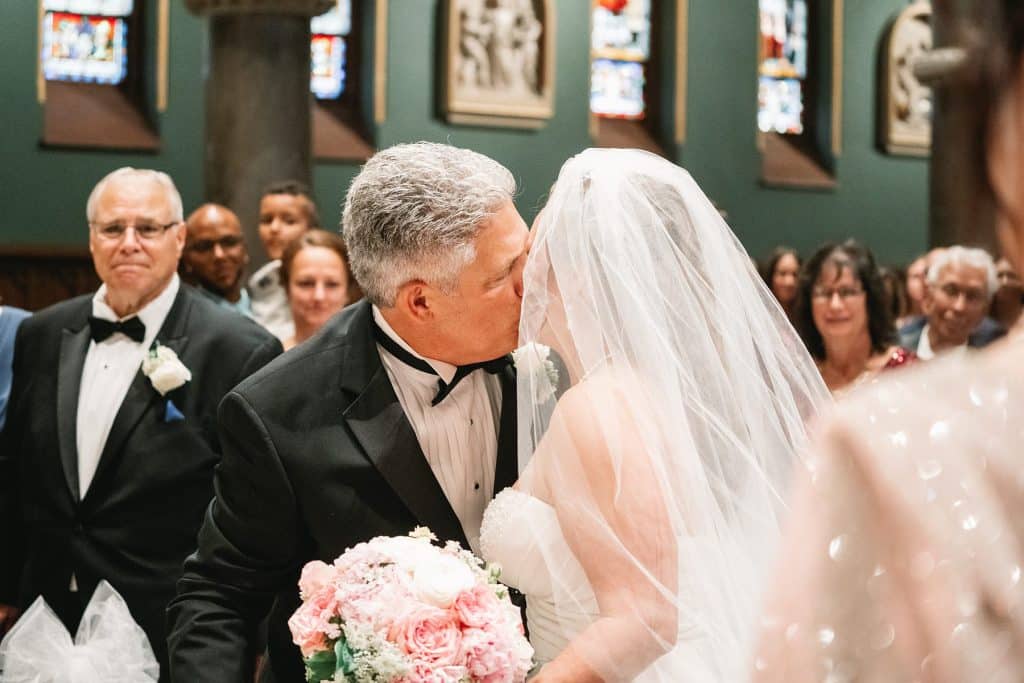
163,41
460,107
682,52
380,62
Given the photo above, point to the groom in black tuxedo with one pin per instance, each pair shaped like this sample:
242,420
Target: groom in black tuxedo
400,412
105,470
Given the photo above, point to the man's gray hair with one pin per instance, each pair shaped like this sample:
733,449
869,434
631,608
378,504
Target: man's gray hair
965,256
126,173
413,213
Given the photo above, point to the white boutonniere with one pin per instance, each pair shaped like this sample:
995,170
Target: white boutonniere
164,370
534,360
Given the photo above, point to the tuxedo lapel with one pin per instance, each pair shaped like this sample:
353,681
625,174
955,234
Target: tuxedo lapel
141,396
379,424
506,469
73,347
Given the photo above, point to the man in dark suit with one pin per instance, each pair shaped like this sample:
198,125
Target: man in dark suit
959,286
107,457
400,412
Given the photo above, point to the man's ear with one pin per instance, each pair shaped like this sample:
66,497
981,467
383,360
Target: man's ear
415,300
927,300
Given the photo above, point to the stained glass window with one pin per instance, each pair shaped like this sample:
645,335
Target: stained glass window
85,40
782,68
620,49
328,47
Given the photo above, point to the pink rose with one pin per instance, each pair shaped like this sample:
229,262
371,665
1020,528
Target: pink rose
306,627
478,607
425,673
315,576
429,634
489,658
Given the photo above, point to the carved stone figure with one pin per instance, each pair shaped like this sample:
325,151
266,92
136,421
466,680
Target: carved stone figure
907,103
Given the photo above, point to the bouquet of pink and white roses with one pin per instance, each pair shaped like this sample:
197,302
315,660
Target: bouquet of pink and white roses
403,610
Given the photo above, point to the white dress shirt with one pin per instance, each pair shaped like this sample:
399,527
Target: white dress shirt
270,306
924,346
110,367
458,436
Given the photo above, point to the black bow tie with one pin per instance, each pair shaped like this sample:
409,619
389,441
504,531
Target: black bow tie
101,329
443,388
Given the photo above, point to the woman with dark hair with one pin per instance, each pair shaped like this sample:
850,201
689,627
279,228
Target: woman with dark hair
780,273
899,304
317,278
844,317
904,555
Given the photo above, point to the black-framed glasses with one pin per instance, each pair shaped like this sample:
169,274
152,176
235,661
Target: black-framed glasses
144,230
206,246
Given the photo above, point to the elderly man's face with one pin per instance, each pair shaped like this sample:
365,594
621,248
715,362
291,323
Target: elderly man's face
135,242
215,250
957,302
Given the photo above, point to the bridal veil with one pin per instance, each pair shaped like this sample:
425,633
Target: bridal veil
666,423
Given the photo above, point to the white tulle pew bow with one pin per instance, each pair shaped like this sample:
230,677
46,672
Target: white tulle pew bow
108,648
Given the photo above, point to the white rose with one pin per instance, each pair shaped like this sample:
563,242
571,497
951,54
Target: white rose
164,370
441,579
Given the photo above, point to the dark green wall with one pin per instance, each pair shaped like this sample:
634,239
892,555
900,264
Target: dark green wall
880,199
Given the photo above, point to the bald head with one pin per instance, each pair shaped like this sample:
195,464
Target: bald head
215,255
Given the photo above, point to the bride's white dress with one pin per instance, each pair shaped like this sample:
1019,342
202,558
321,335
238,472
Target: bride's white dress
522,534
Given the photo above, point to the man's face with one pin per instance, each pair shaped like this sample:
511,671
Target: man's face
957,302
480,319
139,262
215,250
283,217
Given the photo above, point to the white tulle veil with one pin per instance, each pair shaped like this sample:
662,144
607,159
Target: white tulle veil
666,432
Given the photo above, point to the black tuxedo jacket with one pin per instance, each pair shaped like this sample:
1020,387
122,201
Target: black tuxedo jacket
318,456
139,518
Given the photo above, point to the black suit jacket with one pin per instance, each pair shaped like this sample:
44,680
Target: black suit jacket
318,456
988,331
139,518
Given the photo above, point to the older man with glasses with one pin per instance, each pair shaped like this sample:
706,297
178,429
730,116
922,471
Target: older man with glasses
107,457
960,285
215,257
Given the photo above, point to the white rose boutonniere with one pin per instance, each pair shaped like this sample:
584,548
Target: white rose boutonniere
534,360
164,370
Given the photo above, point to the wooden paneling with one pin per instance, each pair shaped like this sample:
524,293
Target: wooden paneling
36,277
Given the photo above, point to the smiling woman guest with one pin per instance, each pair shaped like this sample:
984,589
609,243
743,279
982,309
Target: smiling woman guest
317,280
844,318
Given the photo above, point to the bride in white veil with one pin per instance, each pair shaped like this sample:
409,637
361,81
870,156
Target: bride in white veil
654,468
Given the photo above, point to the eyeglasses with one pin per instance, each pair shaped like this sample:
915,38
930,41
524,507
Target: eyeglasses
206,246
844,293
971,295
144,230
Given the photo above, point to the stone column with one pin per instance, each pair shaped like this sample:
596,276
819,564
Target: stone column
957,215
257,102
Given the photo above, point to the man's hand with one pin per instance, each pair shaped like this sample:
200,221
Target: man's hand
8,615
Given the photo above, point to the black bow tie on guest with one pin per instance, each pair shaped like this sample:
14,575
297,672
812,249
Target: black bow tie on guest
443,388
101,329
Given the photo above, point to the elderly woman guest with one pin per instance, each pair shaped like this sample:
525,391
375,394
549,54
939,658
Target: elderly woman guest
780,273
318,281
844,317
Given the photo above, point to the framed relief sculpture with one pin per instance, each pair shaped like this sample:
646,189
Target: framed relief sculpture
499,67
906,103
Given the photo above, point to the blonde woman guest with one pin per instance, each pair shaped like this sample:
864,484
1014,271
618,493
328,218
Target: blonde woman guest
317,280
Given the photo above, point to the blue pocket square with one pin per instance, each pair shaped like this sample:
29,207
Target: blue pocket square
172,414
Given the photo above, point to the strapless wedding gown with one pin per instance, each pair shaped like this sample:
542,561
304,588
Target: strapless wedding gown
522,534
